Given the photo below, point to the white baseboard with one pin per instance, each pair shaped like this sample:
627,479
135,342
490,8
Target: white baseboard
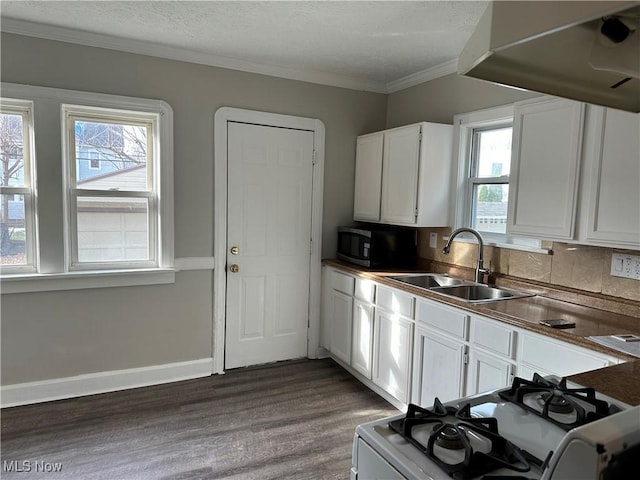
101,382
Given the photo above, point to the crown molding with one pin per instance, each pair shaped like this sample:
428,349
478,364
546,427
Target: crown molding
422,76
140,47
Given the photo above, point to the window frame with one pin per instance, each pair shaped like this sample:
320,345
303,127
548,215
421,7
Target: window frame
53,272
462,192
24,108
73,113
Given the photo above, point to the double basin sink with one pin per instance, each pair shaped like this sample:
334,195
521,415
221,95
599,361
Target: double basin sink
461,289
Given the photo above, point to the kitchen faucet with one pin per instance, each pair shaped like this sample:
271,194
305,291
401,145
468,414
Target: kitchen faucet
480,270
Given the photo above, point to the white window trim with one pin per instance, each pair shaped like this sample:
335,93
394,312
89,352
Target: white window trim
53,273
25,109
461,201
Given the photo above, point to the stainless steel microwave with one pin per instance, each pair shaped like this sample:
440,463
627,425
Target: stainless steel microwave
378,247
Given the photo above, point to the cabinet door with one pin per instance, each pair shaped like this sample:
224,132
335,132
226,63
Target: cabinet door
341,319
438,368
362,337
368,184
543,186
487,372
614,191
400,175
393,337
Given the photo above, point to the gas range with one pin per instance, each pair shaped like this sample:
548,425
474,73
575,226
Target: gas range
538,429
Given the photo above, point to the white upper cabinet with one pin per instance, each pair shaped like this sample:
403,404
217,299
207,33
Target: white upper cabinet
366,200
545,161
406,181
612,183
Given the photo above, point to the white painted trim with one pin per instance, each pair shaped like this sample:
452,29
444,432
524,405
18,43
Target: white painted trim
422,76
101,382
61,34
195,263
51,282
222,117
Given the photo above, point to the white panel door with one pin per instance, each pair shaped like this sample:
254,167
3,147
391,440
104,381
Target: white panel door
368,184
268,238
545,162
400,169
341,318
438,368
362,337
393,337
614,193
487,372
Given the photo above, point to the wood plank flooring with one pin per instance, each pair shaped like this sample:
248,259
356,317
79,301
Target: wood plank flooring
290,420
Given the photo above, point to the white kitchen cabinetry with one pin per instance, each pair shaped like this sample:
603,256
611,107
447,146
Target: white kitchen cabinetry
368,185
612,183
545,166
392,342
407,181
362,341
340,314
544,355
491,356
439,353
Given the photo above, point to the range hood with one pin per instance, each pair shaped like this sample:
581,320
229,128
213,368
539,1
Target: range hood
561,48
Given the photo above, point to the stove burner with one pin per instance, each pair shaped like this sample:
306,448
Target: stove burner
448,436
556,403
565,407
461,439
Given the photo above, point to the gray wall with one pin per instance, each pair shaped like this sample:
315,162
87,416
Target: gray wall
59,334
440,99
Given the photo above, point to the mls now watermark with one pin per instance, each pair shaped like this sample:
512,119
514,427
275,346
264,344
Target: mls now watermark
25,466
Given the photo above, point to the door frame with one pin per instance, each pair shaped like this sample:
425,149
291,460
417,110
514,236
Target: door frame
228,114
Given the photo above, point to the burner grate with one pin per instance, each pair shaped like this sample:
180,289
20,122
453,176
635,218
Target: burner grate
565,407
453,427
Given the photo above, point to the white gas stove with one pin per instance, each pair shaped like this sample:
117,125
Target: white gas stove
539,429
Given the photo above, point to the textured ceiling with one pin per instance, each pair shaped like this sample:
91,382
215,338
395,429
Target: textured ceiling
377,42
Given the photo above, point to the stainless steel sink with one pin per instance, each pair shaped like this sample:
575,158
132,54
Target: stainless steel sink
428,280
478,293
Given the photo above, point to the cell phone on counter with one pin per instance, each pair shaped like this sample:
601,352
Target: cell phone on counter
559,323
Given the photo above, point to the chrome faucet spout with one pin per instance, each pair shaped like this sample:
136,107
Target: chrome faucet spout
480,270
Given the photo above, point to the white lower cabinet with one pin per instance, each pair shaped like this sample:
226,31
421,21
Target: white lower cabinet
439,353
438,368
487,372
341,321
392,342
491,355
361,353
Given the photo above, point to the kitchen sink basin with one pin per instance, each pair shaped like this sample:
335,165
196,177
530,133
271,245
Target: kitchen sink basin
477,293
428,280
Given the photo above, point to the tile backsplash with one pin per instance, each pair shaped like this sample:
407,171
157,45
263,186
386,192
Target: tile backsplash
580,267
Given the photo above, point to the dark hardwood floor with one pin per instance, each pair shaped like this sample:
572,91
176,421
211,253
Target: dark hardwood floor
291,420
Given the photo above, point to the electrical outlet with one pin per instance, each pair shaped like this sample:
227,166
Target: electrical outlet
625,266
433,239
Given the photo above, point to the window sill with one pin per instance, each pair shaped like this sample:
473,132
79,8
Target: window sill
48,282
509,246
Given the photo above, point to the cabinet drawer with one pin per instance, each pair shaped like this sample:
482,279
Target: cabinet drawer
557,357
364,290
342,283
492,336
395,301
446,319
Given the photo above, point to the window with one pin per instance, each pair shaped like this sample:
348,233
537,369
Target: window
105,202
484,160
489,178
111,209
17,198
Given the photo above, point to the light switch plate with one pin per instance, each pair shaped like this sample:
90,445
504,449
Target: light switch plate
625,266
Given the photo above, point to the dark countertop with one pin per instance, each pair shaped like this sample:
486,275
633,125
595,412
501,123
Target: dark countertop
527,312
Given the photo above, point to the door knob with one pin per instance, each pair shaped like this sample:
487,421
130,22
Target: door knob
235,250
234,268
